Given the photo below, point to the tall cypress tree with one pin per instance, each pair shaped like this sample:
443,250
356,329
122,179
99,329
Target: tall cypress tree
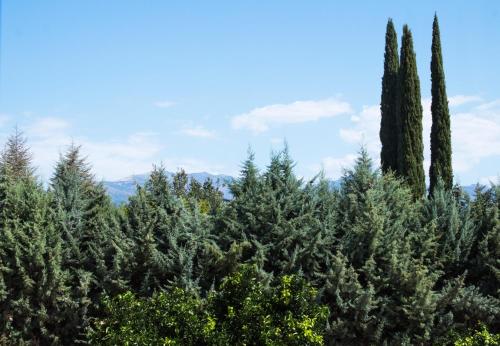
440,132
411,153
389,102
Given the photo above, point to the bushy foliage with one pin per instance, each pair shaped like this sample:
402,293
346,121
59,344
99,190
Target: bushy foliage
479,337
258,269
242,311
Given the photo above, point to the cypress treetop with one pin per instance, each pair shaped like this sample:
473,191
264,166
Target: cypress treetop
411,154
389,102
441,167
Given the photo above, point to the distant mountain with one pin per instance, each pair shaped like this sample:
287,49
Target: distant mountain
122,189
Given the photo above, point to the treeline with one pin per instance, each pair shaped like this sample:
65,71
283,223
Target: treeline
374,261
259,269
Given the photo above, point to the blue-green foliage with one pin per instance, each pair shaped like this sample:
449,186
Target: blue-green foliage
389,268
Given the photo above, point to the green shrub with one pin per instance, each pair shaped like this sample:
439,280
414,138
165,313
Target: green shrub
479,338
242,312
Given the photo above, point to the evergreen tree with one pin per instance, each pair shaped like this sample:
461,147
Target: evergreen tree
248,179
34,298
171,240
389,108
440,131
15,159
411,153
179,183
93,246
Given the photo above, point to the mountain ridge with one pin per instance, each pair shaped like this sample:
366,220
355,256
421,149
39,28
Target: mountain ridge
120,190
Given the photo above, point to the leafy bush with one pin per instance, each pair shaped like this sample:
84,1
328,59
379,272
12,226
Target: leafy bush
479,338
242,312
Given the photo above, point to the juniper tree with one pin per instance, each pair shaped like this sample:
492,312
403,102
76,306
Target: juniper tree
170,239
411,153
389,108
249,175
281,217
93,246
453,225
179,183
440,167
34,298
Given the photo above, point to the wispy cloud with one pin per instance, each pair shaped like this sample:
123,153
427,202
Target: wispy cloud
261,119
164,104
200,132
47,127
474,138
475,131
4,119
112,158
277,141
459,100
333,167
365,129
48,137
492,179
193,165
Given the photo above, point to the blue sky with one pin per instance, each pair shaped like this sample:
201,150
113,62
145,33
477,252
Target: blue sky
192,84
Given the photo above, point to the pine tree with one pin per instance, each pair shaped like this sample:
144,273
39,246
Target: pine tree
440,132
411,153
389,125
16,158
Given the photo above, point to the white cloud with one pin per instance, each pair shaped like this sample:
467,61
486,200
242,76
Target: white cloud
459,100
110,159
192,165
495,104
365,130
277,141
114,159
164,104
4,118
474,137
261,119
333,167
475,132
495,179
199,131
47,127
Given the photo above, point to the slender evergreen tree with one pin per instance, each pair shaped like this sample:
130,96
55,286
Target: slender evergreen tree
389,129
411,154
440,132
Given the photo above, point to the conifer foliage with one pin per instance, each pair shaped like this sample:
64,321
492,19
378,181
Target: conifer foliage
15,159
299,261
389,105
411,153
440,132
